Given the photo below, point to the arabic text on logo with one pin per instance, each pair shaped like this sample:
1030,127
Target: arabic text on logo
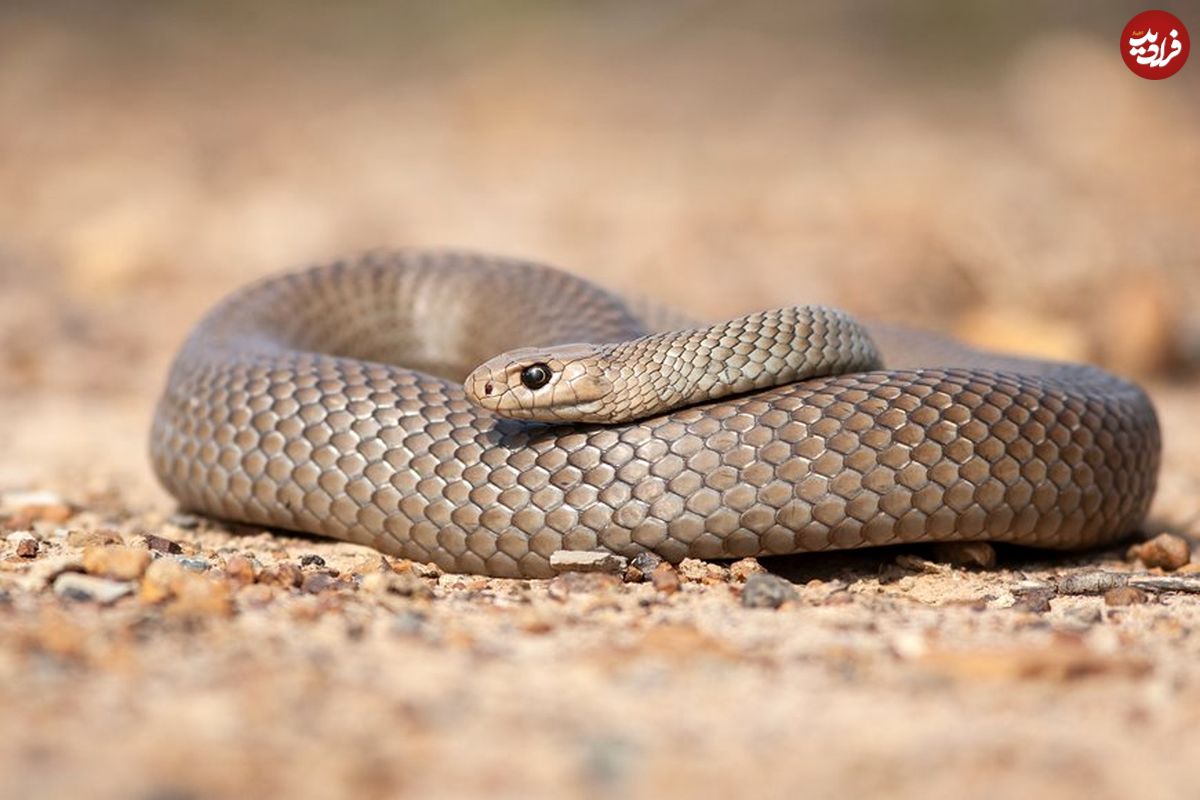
1155,45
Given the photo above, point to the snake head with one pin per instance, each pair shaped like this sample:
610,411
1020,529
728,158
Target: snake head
565,383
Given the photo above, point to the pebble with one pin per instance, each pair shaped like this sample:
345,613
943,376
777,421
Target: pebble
1094,582
767,591
200,596
641,565
189,594
741,570
286,575
1035,601
1166,551
311,560
116,561
160,544
1125,596
26,544
88,588
240,569
421,570
101,536
195,564
694,570
45,570
402,584
160,579
318,582
665,579
588,561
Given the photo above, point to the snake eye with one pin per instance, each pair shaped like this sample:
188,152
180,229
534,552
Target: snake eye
535,376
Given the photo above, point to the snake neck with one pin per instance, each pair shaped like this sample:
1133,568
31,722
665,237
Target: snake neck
770,348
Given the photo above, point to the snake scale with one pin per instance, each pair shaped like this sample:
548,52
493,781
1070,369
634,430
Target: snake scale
331,401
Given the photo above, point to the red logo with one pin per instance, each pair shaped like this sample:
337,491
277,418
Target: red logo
1155,45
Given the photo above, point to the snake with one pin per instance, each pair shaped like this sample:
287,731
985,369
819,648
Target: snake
484,413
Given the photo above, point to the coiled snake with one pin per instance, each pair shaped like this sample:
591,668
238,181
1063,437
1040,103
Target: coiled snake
331,401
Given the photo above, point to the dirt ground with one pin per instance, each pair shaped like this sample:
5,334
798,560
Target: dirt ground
1005,180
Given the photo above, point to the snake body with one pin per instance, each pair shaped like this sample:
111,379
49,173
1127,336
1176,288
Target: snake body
331,401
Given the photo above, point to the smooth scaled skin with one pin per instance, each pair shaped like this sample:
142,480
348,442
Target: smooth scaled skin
331,401
624,381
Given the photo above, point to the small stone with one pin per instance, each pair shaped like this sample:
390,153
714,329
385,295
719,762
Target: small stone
87,588
200,596
641,565
693,570
1166,551
587,561
163,545
1125,596
311,560
195,564
27,546
767,591
240,569
421,570
1094,582
404,584
741,570
96,538
665,578
116,561
318,582
160,580
189,593
286,575
45,570
364,565
1034,601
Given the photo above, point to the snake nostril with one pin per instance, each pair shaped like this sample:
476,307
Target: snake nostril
487,388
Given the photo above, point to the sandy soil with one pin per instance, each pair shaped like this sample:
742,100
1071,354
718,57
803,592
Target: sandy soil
163,159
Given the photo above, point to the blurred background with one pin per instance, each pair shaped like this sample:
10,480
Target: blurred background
982,168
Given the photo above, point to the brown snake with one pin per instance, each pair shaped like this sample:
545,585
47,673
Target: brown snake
331,401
